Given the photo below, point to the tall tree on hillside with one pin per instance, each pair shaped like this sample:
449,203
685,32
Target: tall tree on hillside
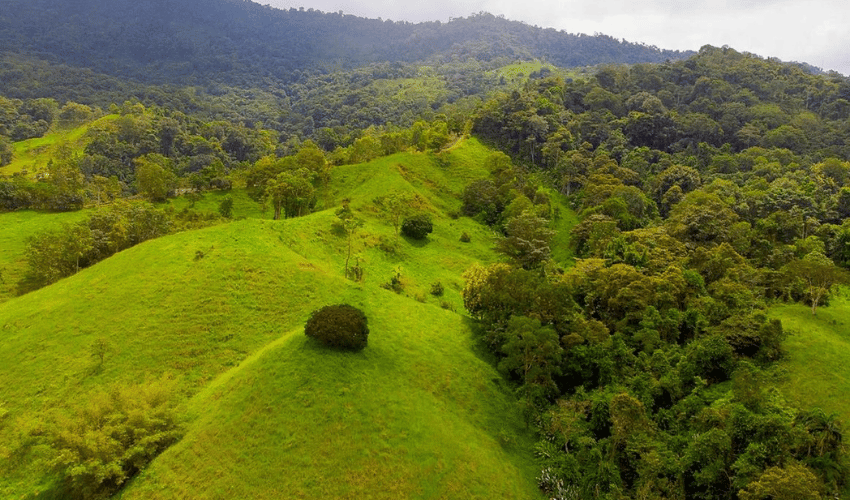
527,240
6,152
818,274
350,222
396,206
291,193
154,178
532,351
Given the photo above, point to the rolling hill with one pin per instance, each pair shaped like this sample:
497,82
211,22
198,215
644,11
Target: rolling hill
420,413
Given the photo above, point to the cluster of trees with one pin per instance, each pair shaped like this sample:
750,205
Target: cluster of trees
22,119
515,205
706,190
646,378
718,97
200,151
289,184
154,151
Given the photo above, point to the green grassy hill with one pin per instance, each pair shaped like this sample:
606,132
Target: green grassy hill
816,370
420,413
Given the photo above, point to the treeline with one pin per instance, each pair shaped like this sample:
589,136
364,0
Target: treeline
154,152
331,108
706,190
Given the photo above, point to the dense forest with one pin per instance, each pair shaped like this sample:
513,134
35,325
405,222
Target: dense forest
706,190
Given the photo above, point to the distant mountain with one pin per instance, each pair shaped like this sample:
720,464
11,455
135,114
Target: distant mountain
241,42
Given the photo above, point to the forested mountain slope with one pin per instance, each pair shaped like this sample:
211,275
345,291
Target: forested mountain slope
240,42
709,191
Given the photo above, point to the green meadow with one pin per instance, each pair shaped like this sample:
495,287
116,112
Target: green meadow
816,368
420,413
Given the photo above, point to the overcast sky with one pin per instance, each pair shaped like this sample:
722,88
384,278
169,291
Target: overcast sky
812,31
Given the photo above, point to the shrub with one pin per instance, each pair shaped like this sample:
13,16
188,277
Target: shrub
395,283
341,326
437,289
102,443
225,207
464,237
417,226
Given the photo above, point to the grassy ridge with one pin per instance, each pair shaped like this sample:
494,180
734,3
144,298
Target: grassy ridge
816,370
417,414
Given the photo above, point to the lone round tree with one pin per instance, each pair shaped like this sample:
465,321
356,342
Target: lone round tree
417,226
341,326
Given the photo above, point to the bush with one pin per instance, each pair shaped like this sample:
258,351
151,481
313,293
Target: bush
225,207
341,326
395,283
464,237
99,445
437,289
417,226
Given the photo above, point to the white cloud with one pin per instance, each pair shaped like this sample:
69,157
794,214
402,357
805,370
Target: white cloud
810,31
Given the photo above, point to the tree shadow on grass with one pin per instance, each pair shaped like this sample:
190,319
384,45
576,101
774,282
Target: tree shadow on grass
26,285
418,243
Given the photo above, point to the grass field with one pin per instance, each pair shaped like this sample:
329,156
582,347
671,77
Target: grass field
518,73
816,370
420,413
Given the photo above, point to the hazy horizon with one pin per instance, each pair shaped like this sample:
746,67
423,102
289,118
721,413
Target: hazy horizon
810,32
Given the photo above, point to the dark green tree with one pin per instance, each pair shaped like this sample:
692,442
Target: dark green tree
417,226
533,351
341,326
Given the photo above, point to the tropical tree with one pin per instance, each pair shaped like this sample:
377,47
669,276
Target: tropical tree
395,207
153,176
527,240
350,222
792,482
533,351
291,193
818,274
